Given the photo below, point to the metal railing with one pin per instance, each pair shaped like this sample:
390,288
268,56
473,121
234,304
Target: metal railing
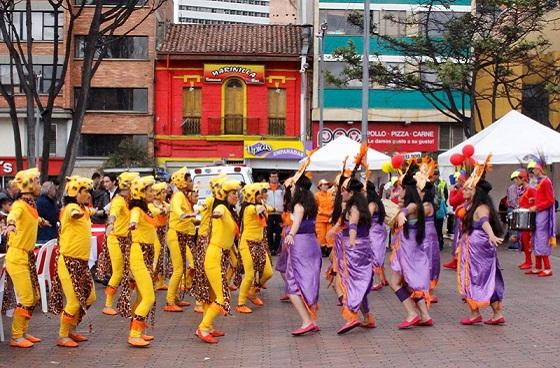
276,126
191,125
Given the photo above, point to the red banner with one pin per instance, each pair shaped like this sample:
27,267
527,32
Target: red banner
8,165
387,137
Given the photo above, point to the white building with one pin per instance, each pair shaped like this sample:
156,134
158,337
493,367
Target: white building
222,11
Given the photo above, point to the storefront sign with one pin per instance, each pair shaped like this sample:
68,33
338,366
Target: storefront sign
8,165
217,73
387,137
274,150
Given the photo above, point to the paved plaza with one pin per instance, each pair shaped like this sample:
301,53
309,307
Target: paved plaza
531,337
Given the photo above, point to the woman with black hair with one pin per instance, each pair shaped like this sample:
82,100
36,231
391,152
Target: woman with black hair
377,234
303,270
72,278
282,261
431,242
410,264
223,231
354,256
478,272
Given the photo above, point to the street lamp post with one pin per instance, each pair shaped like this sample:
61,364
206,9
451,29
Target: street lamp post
365,73
321,84
37,122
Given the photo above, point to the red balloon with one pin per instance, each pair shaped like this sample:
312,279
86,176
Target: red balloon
468,150
456,159
397,161
470,161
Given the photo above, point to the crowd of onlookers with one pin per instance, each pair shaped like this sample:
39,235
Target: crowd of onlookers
49,204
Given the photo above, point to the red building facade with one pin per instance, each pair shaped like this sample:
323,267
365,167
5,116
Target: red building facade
221,89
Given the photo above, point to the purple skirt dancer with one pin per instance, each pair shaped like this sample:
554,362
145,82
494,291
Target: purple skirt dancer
355,270
378,241
410,259
303,271
544,230
478,271
431,244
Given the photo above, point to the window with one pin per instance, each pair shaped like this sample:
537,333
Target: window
336,69
392,23
44,25
337,22
276,111
192,106
429,75
437,22
118,47
102,145
118,99
110,2
8,72
52,140
450,136
234,106
535,103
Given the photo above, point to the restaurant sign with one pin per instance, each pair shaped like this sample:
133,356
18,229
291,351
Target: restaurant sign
217,73
274,150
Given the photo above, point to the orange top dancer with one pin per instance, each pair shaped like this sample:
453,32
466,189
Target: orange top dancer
325,203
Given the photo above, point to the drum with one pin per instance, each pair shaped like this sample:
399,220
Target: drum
522,219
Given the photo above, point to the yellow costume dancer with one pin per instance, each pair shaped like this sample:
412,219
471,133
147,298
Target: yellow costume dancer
22,224
117,240
200,282
143,233
181,238
72,276
253,247
159,205
224,230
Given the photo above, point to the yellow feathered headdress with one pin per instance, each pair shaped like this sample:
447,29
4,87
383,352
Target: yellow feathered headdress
478,171
75,183
125,179
178,178
140,185
24,179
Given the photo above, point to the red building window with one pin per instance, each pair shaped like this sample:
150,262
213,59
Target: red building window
192,106
276,111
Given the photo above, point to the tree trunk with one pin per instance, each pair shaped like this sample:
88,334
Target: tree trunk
17,137
45,155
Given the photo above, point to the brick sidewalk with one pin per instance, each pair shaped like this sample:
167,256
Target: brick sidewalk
530,338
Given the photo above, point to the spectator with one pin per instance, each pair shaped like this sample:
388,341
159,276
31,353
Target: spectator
5,206
11,190
440,204
103,201
48,209
275,199
512,200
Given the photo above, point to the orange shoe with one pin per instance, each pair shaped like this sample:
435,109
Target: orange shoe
243,309
110,311
66,342
183,303
172,308
199,309
264,286
20,342
209,339
217,333
138,342
162,287
256,300
32,338
232,287
148,337
77,337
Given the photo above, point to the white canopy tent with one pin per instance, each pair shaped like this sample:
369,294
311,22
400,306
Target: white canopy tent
511,140
330,156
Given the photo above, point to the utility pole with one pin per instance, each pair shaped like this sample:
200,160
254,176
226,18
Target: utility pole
321,85
37,122
365,73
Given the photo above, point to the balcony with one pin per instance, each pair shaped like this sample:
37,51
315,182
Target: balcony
237,125
191,125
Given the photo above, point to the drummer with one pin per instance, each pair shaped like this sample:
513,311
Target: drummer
544,237
526,200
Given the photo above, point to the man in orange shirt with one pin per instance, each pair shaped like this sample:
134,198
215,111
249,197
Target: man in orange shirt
325,204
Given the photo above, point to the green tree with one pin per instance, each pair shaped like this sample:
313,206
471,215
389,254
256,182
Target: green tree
129,154
446,53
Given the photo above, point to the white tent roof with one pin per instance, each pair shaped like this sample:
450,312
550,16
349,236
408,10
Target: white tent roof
510,140
330,156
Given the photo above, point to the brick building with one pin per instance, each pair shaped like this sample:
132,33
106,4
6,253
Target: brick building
232,93
121,99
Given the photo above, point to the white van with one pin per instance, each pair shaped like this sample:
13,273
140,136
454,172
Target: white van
202,175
